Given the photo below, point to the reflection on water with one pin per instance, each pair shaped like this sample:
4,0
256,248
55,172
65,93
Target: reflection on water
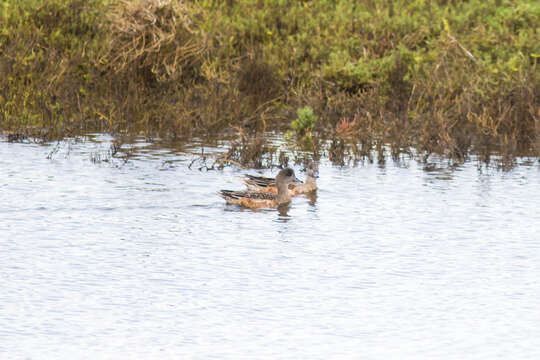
138,255
283,211
312,198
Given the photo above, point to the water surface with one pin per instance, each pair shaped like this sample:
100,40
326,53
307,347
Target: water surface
141,259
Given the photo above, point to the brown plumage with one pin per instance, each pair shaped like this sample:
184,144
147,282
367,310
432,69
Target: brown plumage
257,199
264,184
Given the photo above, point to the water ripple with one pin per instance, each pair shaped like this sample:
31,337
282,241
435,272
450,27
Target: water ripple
403,262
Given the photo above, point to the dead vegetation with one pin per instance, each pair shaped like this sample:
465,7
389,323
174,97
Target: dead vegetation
352,81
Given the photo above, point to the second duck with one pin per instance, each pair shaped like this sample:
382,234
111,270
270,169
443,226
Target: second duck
265,184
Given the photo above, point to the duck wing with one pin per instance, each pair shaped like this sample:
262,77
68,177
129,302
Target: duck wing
255,195
260,181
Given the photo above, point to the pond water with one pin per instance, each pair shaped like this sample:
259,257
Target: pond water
141,259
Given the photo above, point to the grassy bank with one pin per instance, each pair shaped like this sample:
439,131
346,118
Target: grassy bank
444,77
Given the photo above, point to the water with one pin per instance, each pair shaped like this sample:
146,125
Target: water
141,259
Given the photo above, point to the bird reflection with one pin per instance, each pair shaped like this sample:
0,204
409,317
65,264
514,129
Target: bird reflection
312,197
283,211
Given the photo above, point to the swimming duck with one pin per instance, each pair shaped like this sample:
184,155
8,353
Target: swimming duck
258,199
265,184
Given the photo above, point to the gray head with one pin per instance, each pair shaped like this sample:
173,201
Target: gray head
312,170
285,177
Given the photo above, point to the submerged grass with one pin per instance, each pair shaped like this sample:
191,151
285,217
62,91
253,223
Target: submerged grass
441,77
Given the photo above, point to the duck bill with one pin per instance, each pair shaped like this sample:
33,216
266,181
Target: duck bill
297,180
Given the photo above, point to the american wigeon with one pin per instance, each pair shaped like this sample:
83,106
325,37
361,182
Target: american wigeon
258,199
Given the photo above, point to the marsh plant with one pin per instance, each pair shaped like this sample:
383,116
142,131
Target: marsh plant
441,77
305,122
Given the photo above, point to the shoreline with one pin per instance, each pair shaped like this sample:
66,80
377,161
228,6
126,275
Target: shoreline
444,79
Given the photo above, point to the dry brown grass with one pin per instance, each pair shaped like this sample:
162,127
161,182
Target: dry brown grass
156,39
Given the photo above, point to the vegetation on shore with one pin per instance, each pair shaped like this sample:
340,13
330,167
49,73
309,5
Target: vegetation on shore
438,76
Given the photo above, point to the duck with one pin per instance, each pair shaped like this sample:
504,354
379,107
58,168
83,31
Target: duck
265,184
261,199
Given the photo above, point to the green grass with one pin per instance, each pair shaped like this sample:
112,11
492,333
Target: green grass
445,77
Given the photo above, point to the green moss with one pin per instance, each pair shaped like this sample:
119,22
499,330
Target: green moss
305,122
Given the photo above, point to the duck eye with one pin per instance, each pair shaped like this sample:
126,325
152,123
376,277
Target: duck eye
289,172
